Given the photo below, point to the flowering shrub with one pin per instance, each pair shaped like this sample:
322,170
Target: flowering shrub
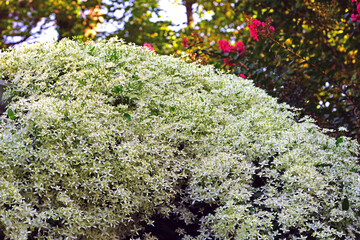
101,140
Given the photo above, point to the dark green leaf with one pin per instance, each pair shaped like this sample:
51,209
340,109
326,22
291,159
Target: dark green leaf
118,89
11,114
257,194
323,165
339,140
172,109
201,99
127,116
345,204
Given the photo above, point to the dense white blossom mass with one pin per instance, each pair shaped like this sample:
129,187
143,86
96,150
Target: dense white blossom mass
100,139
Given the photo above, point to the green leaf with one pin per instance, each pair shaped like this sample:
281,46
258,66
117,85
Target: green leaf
11,114
257,194
345,204
118,89
201,99
323,165
354,170
172,109
91,51
339,140
127,116
81,82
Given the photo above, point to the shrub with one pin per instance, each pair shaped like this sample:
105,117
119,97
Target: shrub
102,139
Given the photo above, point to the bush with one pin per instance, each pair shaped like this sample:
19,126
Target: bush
102,140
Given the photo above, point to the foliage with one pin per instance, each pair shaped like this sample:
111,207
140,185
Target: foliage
25,19
135,24
105,138
322,77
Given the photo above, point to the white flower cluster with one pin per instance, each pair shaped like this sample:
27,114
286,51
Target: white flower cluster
101,139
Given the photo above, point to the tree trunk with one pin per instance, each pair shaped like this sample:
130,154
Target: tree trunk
189,13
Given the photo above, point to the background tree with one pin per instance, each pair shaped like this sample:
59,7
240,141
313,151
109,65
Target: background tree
134,23
21,20
322,77
25,19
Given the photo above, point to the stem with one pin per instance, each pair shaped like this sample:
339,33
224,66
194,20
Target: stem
244,66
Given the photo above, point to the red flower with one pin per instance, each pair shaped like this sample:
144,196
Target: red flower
224,45
185,42
242,75
148,46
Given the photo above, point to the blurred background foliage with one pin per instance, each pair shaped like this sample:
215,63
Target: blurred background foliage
323,80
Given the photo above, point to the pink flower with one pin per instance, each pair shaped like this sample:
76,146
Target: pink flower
185,42
253,26
356,16
224,45
148,46
240,48
242,75
258,28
